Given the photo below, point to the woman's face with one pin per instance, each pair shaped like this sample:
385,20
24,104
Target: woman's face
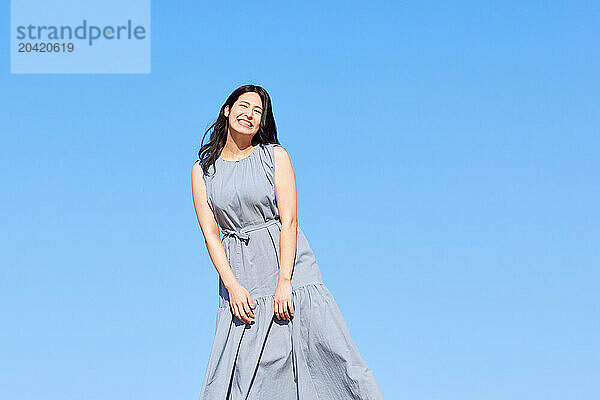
245,114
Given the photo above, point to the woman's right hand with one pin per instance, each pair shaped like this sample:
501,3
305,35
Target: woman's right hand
241,303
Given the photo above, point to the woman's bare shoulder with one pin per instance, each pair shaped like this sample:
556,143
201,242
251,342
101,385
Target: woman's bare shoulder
197,172
280,152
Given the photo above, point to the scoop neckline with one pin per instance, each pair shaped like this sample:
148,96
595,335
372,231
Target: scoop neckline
241,159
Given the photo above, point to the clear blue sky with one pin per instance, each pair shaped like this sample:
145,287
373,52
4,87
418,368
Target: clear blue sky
447,162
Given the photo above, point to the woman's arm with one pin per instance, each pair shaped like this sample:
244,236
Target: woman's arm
239,298
285,190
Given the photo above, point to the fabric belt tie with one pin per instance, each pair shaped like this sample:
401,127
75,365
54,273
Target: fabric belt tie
242,234
237,255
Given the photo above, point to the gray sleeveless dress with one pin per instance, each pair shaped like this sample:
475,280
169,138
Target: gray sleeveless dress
311,357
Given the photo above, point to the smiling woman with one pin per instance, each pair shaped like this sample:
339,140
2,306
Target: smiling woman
279,332
256,109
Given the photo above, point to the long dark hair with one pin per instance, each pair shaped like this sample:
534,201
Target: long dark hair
267,132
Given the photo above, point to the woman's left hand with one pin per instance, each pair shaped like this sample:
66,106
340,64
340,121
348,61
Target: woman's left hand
284,309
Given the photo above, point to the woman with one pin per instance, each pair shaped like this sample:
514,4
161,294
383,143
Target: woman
279,333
